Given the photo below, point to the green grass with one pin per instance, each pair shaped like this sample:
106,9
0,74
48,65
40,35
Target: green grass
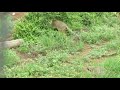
112,66
61,58
52,65
100,33
11,58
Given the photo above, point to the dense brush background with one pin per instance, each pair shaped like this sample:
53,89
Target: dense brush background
58,55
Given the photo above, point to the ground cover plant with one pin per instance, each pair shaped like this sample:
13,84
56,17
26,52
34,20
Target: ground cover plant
47,52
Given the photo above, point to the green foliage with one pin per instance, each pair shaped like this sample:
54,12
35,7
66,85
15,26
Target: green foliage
100,33
11,58
97,53
110,48
36,28
36,24
112,66
52,65
40,37
114,45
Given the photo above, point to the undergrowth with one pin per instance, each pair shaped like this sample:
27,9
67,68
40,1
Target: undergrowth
40,37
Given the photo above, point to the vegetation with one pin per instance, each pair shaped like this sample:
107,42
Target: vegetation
95,55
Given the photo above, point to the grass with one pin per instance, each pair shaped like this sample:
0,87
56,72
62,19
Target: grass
112,67
11,58
52,65
60,55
